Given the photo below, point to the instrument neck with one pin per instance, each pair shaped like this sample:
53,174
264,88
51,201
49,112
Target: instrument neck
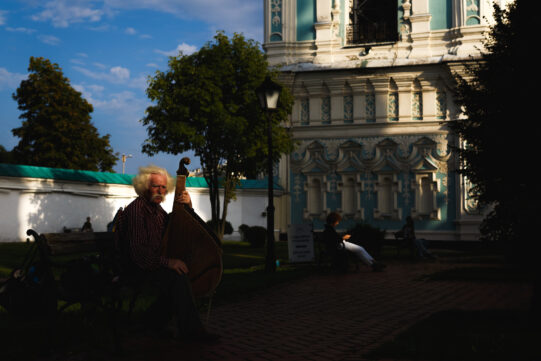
180,187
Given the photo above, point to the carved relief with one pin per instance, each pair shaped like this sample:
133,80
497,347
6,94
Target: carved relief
410,168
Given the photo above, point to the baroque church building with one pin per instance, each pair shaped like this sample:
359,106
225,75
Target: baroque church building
373,85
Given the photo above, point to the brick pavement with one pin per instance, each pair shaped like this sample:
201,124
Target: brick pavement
332,316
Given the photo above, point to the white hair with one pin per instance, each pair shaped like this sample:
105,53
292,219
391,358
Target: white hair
141,182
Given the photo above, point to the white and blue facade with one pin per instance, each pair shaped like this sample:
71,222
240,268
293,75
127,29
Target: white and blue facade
373,84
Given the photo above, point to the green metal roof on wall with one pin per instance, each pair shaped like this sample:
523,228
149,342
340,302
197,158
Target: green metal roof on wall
29,171
86,176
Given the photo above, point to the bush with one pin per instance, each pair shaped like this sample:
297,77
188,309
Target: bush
370,237
228,227
243,229
255,235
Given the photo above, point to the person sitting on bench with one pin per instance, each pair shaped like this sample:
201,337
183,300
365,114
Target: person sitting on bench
142,224
331,237
408,232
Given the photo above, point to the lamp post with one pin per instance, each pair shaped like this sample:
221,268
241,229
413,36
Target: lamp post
268,93
124,157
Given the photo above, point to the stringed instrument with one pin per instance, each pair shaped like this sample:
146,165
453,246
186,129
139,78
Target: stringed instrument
190,239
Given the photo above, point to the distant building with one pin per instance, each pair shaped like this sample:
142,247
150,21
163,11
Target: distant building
373,86
52,199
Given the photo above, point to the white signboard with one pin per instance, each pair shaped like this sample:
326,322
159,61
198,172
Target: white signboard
300,243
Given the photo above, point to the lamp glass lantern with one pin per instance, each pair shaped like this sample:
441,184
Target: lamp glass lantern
268,93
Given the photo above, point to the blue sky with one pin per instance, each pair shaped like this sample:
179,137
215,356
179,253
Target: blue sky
108,48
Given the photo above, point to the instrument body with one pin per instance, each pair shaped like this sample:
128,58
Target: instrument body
190,239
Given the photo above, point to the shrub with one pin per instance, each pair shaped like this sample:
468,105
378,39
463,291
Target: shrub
255,235
228,227
243,229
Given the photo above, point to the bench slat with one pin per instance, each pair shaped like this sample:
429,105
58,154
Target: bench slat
78,242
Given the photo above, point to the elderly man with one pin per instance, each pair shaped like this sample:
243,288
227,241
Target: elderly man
142,227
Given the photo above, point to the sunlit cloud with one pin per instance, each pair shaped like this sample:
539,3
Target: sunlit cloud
130,31
101,28
89,91
62,13
120,73
49,39
10,81
20,30
3,17
239,16
77,61
115,75
184,48
125,105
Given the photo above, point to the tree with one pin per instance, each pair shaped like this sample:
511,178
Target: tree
6,156
56,130
206,102
498,139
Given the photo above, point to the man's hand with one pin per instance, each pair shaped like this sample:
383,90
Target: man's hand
346,236
178,266
184,198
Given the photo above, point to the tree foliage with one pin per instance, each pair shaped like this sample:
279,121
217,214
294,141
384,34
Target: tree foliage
6,156
206,102
56,130
496,130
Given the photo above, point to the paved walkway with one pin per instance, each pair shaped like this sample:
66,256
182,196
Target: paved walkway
333,317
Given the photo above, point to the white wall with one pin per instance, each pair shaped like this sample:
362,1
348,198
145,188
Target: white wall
50,205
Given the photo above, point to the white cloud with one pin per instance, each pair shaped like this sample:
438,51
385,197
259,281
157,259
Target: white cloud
130,31
125,106
120,73
115,75
9,80
101,28
49,39
20,30
145,36
240,16
184,48
3,17
89,91
62,13
77,61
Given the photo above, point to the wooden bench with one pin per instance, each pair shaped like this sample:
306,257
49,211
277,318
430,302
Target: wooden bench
338,259
400,243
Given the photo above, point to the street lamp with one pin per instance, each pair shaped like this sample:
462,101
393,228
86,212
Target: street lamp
124,157
268,93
